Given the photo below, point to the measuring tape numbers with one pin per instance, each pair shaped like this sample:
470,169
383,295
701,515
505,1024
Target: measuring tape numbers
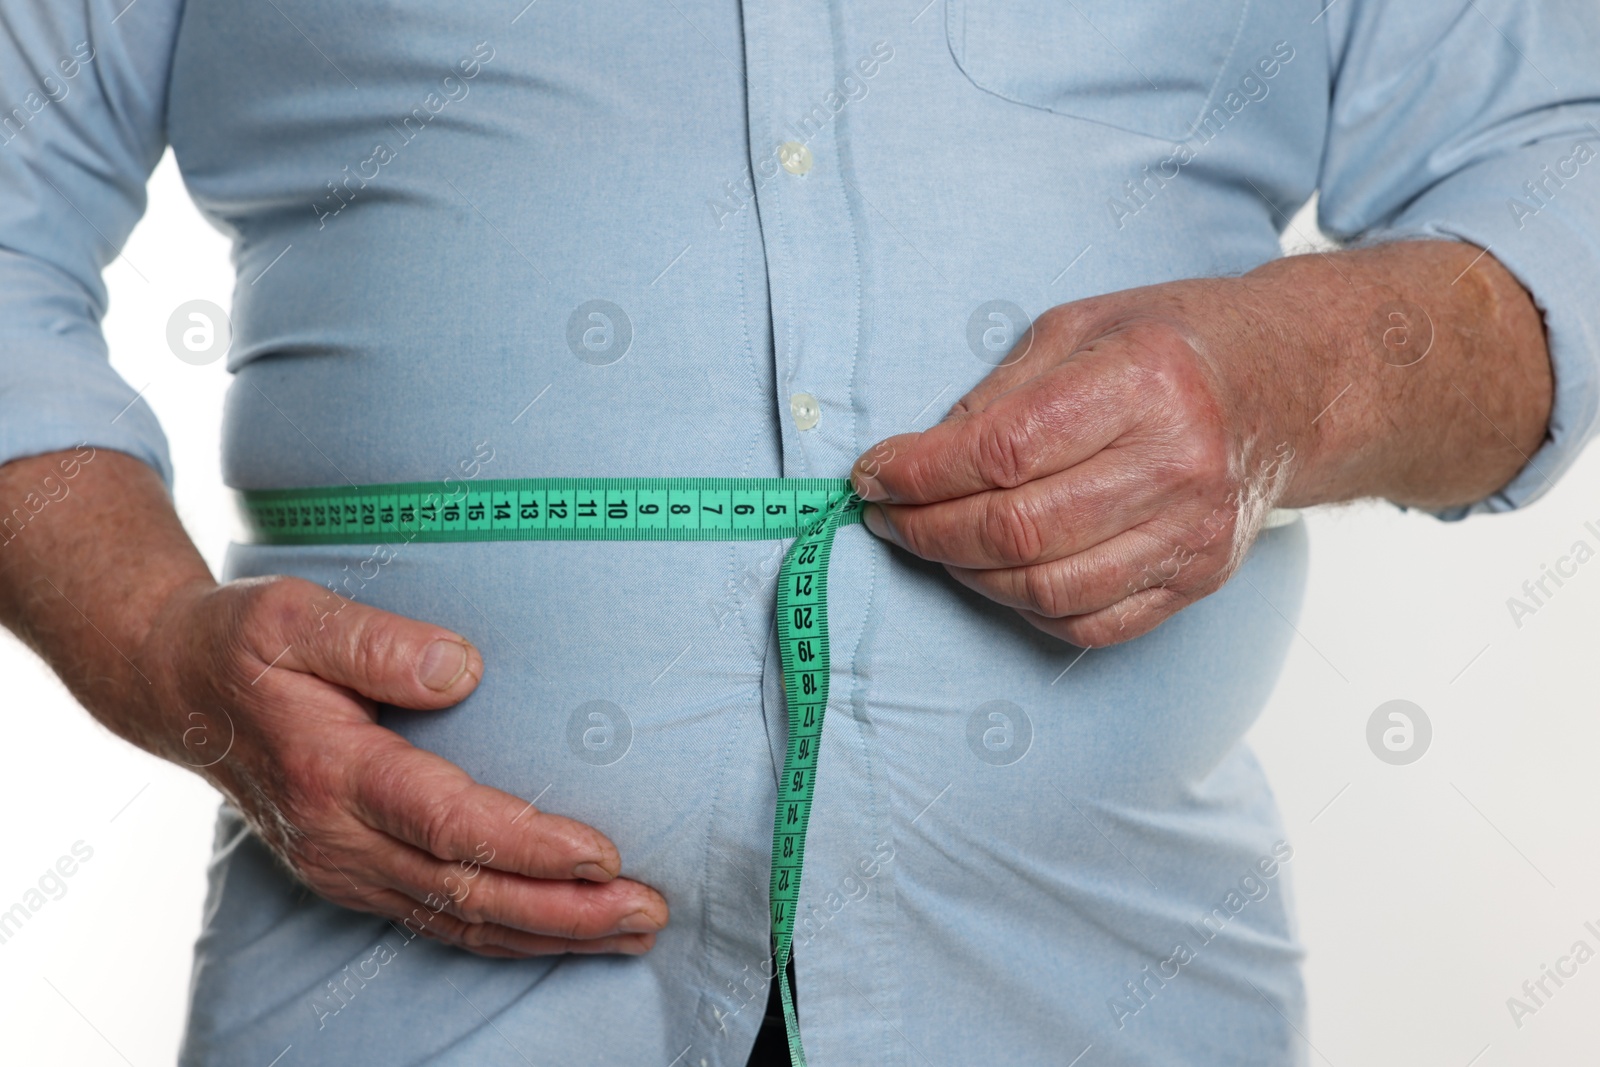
810,510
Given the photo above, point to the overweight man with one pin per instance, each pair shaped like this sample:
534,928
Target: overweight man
1012,267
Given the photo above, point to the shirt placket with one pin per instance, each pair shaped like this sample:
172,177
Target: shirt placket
813,241
813,262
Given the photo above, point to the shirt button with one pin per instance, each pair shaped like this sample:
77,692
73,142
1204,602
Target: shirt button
795,157
803,406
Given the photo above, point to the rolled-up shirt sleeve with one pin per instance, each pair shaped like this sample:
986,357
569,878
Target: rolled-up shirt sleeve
1479,121
82,106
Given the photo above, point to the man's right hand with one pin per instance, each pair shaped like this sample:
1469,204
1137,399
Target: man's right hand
285,678
363,817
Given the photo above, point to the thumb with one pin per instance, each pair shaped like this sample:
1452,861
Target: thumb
385,657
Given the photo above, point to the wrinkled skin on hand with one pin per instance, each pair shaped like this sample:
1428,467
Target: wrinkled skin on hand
1117,466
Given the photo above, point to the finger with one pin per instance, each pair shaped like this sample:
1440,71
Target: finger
1043,426
1131,617
572,910
493,939
386,657
1050,518
1090,581
430,803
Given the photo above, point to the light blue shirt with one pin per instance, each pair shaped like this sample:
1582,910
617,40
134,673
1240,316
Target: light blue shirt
566,239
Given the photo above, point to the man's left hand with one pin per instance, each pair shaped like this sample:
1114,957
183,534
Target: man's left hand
1118,465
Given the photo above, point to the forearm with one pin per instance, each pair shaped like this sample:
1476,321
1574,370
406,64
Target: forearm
106,586
86,565
1429,381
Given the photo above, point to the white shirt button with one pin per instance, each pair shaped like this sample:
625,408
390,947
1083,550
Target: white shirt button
795,157
803,406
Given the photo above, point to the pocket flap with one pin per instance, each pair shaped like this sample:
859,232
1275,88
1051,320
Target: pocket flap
1150,68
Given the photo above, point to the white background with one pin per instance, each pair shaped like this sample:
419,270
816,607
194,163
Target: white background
1427,893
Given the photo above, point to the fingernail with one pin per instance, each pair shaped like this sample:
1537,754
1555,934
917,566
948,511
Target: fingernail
873,517
633,947
443,663
639,923
591,872
867,487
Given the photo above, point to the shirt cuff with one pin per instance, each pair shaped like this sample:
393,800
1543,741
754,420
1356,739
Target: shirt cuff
57,388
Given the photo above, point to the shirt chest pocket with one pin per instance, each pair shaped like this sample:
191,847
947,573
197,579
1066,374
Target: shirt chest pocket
1147,67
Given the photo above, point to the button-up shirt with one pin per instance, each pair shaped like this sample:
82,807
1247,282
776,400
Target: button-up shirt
523,239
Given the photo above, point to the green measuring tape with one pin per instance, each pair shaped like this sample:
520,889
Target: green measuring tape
632,509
